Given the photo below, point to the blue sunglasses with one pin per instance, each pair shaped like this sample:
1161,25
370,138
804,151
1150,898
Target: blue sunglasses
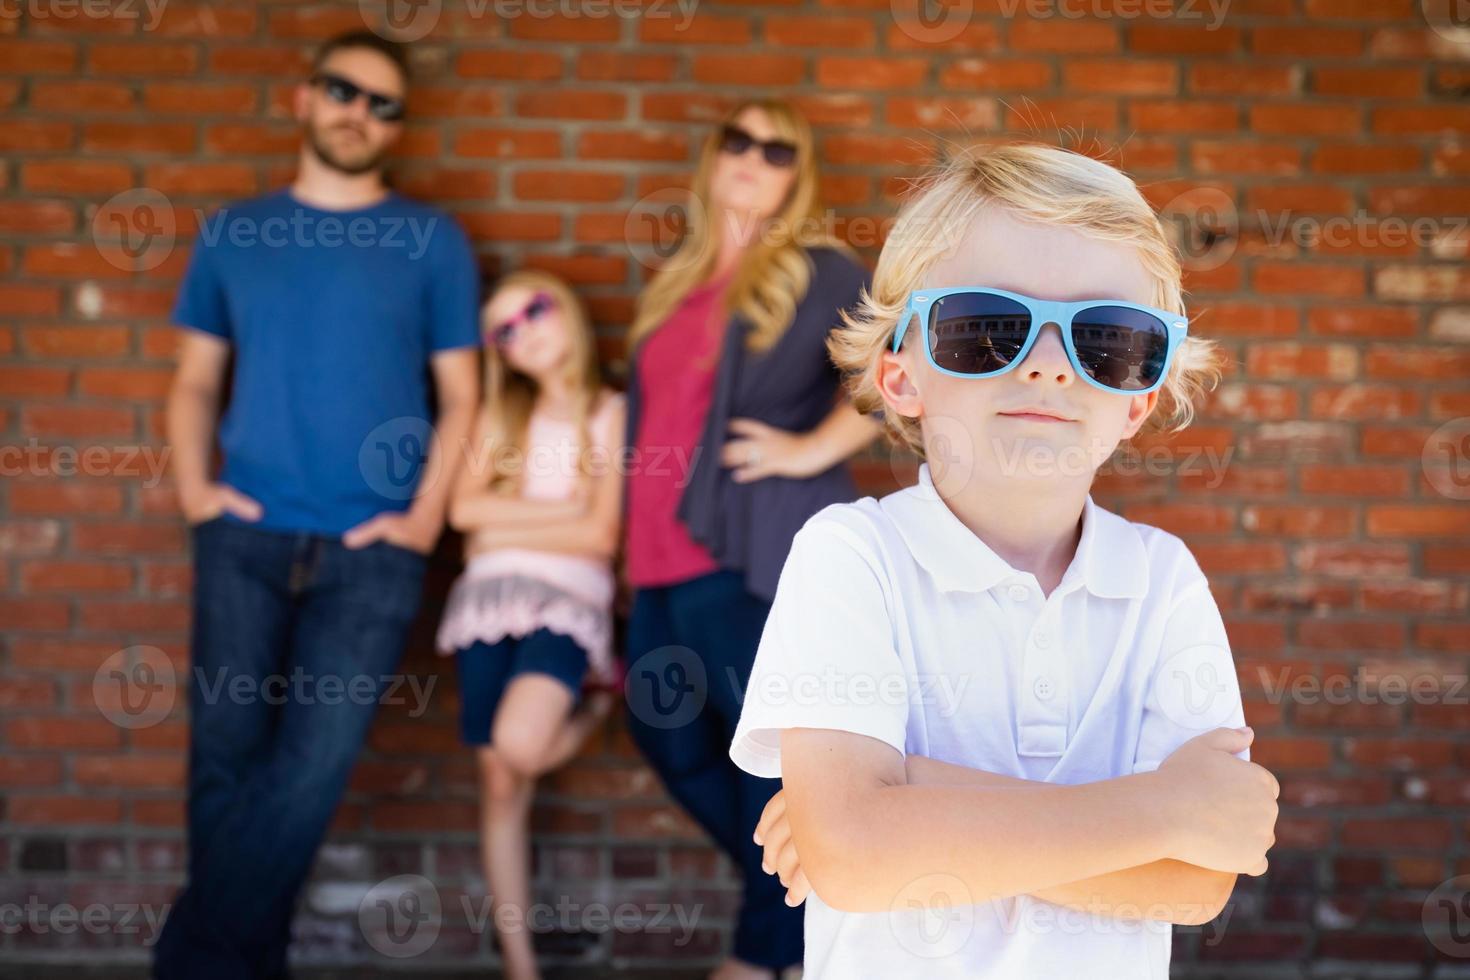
978,332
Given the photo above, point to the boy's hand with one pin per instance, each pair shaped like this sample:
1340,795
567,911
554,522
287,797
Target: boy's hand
773,832
1227,805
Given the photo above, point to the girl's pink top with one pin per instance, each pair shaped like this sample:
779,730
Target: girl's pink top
516,591
676,374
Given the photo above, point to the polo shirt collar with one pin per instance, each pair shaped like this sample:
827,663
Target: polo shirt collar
1111,561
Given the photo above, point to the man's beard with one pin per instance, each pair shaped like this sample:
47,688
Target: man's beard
326,155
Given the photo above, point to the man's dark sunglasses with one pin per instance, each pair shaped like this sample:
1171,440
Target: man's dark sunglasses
778,153
385,108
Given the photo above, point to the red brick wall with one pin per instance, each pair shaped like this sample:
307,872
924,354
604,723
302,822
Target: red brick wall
1336,555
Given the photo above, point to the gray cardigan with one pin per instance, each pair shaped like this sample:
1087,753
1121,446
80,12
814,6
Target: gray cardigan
748,527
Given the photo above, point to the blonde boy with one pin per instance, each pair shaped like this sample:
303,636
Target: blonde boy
1006,719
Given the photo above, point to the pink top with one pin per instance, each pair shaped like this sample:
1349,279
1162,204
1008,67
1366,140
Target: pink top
515,591
676,374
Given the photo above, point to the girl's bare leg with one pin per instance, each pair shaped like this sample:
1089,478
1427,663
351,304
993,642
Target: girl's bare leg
505,852
534,731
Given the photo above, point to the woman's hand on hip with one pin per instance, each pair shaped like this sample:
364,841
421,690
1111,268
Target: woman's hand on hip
759,450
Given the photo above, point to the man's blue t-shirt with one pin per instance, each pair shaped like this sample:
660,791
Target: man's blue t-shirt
333,317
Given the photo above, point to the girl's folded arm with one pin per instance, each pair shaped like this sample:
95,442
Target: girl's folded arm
595,528
473,510
864,833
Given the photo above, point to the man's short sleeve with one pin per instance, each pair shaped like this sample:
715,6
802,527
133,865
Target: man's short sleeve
1194,687
827,657
454,290
201,302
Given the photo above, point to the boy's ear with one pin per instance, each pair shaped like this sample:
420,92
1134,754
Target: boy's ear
1140,407
896,385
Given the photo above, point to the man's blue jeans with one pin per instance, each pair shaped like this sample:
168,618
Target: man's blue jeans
295,638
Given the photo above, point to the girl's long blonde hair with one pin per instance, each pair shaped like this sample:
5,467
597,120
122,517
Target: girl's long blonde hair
1035,182
775,272
510,395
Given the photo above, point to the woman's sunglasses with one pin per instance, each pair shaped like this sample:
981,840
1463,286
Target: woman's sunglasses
384,108
778,153
503,334
977,332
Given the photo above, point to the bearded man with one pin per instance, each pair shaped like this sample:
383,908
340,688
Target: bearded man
339,310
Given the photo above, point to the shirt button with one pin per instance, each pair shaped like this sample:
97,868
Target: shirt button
1041,637
1019,593
1043,689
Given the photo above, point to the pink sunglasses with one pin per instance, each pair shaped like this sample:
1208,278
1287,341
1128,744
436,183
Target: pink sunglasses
503,334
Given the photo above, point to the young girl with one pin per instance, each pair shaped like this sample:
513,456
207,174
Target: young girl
1007,720
529,621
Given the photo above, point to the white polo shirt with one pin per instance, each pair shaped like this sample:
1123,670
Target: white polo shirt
893,620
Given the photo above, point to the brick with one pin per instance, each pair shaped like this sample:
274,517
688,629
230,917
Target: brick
75,176
825,31
1058,36
1254,79
748,69
46,217
699,29
1417,521
47,811
632,145
571,104
870,73
76,341
75,576
142,59
564,185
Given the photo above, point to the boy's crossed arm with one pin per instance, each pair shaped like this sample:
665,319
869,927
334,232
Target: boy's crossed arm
1166,844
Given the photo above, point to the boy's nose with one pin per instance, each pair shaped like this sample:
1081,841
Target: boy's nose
1047,358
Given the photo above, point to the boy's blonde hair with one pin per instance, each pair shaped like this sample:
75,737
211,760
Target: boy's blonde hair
1034,182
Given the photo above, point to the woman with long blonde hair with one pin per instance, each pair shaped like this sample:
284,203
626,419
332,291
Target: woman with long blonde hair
738,433
529,621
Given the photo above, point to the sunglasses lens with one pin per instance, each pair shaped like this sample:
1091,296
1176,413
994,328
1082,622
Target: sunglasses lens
385,109
538,308
780,154
340,90
735,141
977,333
1121,348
